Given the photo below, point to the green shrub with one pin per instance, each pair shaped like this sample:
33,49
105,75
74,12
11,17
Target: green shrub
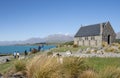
20,65
117,41
69,43
75,46
49,53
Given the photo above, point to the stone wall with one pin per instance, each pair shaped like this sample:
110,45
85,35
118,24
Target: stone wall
108,30
82,42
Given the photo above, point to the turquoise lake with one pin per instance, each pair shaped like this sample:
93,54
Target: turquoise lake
21,49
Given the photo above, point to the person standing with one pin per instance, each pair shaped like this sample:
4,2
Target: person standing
25,53
39,48
18,54
14,54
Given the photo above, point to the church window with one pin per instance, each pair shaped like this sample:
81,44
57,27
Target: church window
86,38
92,38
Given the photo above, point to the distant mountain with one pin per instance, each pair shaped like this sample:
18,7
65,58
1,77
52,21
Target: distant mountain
118,35
33,40
56,38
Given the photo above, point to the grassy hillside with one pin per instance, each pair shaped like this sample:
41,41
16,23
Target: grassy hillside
72,67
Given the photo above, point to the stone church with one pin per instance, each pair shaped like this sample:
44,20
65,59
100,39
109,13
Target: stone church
94,35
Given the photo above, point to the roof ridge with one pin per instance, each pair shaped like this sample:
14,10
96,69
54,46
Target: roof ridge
93,24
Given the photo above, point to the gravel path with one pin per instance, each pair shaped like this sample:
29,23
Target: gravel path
64,54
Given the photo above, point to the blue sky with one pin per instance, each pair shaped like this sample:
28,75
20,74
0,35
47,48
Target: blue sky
23,19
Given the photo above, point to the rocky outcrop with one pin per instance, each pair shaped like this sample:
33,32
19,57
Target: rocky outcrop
4,59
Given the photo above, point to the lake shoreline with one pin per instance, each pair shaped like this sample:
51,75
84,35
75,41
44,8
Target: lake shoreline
7,50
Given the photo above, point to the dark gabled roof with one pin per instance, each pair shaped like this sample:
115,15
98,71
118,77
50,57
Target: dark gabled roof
90,30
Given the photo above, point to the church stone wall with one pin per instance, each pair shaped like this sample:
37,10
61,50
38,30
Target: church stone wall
81,41
108,31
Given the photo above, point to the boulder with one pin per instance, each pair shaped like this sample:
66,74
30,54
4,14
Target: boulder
100,52
80,51
1,75
68,52
18,75
88,50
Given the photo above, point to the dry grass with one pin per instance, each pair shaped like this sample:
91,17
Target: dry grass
49,67
110,49
104,44
110,72
89,74
115,44
42,67
72,67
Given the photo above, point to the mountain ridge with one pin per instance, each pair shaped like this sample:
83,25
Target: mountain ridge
50,39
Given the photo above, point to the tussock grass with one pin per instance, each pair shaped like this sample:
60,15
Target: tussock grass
115,44
42,67
110,49
89,74
50,67
72,67
104,44
20,65
110,72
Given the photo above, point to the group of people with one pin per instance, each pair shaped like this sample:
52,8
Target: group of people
16,54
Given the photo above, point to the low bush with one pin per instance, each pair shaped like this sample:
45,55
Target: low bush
75,46
117,41
69,43
49,53
20,65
